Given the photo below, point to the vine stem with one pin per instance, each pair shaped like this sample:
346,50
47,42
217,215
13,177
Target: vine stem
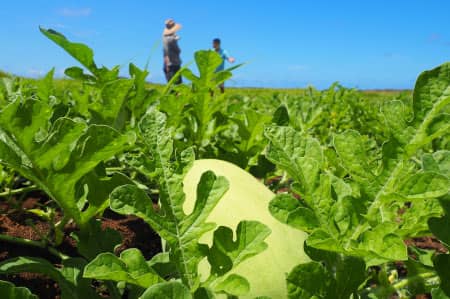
18,191
115,169
403,283
38,244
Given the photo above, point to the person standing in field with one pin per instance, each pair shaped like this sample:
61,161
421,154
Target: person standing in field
172,60
225,57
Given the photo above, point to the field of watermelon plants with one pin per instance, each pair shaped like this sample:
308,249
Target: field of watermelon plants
111,188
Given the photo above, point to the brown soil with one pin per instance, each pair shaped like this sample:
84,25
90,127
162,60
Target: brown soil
14,221
135,233
429,243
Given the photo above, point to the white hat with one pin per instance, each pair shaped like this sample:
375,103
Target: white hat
173,29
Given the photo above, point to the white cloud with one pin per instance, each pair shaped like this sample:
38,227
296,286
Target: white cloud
75,12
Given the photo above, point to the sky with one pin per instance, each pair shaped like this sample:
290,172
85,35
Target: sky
284,44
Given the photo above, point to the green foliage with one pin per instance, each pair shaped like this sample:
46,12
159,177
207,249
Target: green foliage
314,279
9,291
324,113
130,267
208,79
204,105
69,277
440,228
197,114
107,99
93,240
181,231
56,156
226,253
335,276
85,56
167,290
245,146
364,213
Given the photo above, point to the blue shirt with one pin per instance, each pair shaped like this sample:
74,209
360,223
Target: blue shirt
224,55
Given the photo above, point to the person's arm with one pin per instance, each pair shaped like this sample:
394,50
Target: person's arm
229,58
172,30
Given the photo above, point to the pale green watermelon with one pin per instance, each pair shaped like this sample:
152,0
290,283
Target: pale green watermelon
248,199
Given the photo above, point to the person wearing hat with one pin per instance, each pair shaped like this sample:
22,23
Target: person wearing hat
172,60
225,57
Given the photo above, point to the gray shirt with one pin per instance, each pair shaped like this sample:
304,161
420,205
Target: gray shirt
171,49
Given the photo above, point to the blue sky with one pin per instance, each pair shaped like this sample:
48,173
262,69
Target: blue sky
363,44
